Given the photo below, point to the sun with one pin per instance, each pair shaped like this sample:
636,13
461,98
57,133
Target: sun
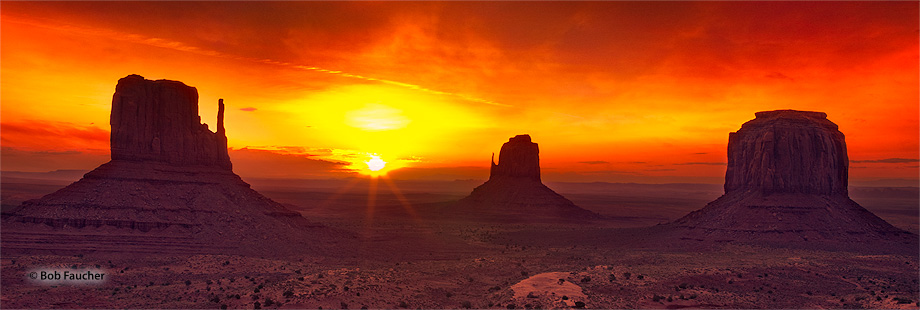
375,164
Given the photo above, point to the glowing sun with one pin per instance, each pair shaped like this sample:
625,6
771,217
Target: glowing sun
375,163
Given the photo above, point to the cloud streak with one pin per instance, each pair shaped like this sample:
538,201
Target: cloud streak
182,47
702,163
594,162
887,161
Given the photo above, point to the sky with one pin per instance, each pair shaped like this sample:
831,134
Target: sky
612,91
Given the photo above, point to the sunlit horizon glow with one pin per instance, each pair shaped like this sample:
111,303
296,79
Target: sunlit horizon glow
611,91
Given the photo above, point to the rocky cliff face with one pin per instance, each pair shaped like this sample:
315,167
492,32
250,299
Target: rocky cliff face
169,188
518,158
786,182
158,121
514,192
787,151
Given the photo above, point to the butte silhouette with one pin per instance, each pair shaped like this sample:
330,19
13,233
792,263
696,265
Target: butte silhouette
169,187
786,182
514,191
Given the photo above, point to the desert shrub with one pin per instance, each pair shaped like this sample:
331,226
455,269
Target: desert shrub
586,279
565,297
612,277
579,305
657,298
223,306
215,299
511,306
269,302
288,293
343,305
640,277
466,304
257,305
627,275
403,304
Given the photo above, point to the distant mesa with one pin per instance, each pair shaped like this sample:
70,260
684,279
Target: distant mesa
786,181
787,151
158,121
514,191
519,158
169,188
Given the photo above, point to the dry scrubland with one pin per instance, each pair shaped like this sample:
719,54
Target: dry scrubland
423,263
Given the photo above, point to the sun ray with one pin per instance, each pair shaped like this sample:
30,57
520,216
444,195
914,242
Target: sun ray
402,199
339,192
371,201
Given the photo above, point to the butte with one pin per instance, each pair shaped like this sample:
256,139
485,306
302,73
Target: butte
514,191
786,183
169,188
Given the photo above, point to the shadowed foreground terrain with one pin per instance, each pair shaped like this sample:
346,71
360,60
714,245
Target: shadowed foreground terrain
424,263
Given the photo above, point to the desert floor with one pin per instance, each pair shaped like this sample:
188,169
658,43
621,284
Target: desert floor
407,261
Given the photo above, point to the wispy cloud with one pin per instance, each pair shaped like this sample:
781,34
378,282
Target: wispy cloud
779,76
703,163
593,162
54,136
248,109
183,47
887,161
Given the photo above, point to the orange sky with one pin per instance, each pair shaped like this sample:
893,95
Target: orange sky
612,91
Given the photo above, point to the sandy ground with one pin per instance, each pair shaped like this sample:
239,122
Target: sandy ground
406,262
